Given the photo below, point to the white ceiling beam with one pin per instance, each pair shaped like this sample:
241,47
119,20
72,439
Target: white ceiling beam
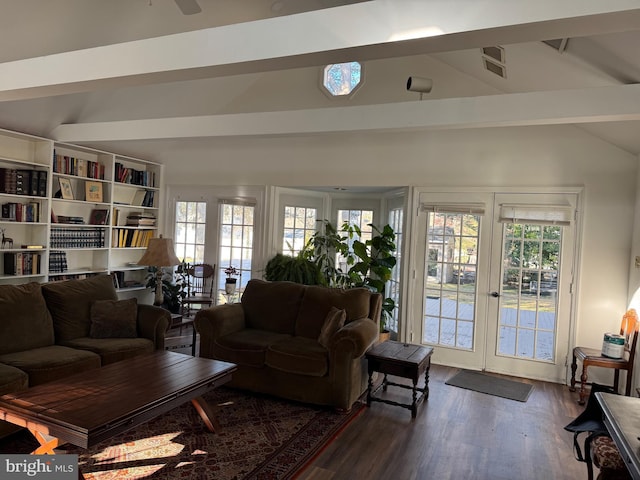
368,30
603,104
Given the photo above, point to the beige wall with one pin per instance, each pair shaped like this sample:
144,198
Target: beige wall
502,158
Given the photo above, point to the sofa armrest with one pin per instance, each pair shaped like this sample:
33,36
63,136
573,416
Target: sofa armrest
153,323
215,322
355,337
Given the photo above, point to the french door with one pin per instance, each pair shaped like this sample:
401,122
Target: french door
494,274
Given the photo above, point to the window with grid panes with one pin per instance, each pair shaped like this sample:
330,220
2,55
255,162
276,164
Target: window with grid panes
299,227
236,241
189,236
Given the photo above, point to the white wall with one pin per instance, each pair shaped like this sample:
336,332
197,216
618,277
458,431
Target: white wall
514,157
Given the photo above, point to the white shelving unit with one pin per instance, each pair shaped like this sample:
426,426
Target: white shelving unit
78,214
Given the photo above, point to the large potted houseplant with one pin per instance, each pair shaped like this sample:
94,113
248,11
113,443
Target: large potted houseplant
369,264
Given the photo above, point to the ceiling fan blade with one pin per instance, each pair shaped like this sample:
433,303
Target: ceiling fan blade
188,7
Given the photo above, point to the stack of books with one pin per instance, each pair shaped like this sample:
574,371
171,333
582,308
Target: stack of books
73,220
141,219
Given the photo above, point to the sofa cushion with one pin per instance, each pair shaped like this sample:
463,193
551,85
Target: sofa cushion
113,349
25,322
46,364
317,302
272,306
246,347
298,355
114,318
70,304
12,379
333,322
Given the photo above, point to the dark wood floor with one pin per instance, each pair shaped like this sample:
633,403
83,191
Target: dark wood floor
457,435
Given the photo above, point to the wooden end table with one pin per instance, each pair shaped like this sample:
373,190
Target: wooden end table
178,321
402,360
88,407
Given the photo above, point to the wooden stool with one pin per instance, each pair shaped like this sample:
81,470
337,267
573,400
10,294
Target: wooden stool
402,360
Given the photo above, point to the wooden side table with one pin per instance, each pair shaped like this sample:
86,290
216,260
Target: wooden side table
177,320
402,360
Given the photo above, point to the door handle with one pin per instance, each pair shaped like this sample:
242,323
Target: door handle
494,294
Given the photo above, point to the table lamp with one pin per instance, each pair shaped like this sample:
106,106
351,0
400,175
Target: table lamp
160,253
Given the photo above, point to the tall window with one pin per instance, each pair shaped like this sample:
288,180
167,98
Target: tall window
191,220
360,218
393,286
299,227
236,241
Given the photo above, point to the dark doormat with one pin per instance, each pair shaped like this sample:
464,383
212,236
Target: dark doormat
500,387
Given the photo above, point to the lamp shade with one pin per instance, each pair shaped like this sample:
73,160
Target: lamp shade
160,253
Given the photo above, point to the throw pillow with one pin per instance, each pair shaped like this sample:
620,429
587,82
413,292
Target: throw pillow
114,318
333,322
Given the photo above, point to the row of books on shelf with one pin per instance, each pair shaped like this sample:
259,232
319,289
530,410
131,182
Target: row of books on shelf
77,238
21,263
23,182
21,212
127,237
134,177
57,262
68,165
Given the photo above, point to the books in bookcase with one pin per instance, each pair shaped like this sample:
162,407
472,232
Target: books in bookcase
124,174
68,165
21,263
131,237
141,219
20,212
57,262
23,182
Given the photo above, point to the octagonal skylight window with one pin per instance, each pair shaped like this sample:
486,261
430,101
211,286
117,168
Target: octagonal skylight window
342,78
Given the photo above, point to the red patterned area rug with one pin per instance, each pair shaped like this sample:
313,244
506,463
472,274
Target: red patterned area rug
260,438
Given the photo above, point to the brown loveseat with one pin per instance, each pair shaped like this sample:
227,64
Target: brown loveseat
276,338
49,331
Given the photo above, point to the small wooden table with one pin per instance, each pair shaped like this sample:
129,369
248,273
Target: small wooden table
88,407
402,360
177,320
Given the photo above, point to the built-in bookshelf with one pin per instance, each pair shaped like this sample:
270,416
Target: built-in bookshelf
70,211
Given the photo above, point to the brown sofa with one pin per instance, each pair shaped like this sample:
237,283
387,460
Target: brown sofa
48,331
276,335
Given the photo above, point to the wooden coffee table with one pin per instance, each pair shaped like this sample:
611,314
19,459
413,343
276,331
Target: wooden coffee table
402,360
88,407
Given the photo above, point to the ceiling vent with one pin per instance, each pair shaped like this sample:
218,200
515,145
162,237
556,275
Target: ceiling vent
494,60
497,53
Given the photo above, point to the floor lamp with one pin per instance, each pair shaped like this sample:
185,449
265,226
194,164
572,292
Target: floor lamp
160,253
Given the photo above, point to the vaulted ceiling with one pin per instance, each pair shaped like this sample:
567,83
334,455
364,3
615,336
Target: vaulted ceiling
139,77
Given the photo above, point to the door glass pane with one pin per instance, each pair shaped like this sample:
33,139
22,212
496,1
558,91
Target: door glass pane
189,233
450,279
529,301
